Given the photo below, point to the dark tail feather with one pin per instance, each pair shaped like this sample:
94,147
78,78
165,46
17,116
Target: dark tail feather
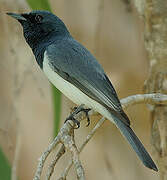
135,143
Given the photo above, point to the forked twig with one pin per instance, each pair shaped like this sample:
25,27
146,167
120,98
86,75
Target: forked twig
54,161
66,137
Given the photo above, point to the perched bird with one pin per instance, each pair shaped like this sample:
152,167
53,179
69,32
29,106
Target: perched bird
75,72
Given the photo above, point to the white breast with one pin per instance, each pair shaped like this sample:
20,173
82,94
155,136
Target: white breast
70,91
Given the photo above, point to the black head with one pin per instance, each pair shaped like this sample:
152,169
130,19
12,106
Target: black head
40,27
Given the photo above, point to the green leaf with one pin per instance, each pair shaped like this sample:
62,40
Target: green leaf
44,5
5,169
39,4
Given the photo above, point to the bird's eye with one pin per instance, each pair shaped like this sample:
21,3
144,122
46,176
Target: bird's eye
38,18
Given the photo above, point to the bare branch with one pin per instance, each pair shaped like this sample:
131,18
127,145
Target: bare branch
66,136
155,98
90,135
43,158
53,163
77,163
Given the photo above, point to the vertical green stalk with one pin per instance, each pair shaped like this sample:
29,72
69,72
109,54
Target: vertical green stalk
5,169
44,5
57,109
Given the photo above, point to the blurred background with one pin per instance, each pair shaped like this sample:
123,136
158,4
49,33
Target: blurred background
112,31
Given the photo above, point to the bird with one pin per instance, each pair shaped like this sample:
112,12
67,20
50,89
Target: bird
72,69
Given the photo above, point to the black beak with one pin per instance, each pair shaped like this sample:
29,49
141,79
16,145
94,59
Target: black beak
17,16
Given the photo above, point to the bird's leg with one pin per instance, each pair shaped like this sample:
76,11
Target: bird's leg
76,111
86,111
71,116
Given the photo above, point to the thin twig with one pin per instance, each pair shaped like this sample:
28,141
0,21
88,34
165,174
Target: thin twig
90,135
155,98
43,158
69,143
53,163
77,163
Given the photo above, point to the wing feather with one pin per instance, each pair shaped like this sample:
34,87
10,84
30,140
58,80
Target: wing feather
76,64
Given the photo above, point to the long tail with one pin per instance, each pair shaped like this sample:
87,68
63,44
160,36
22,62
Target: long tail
134,142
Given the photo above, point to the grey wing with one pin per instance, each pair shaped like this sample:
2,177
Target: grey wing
78,66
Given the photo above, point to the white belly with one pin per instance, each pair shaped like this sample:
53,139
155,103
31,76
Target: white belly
70,91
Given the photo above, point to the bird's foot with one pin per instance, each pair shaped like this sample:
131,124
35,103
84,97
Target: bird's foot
86,111
76,111
75,121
